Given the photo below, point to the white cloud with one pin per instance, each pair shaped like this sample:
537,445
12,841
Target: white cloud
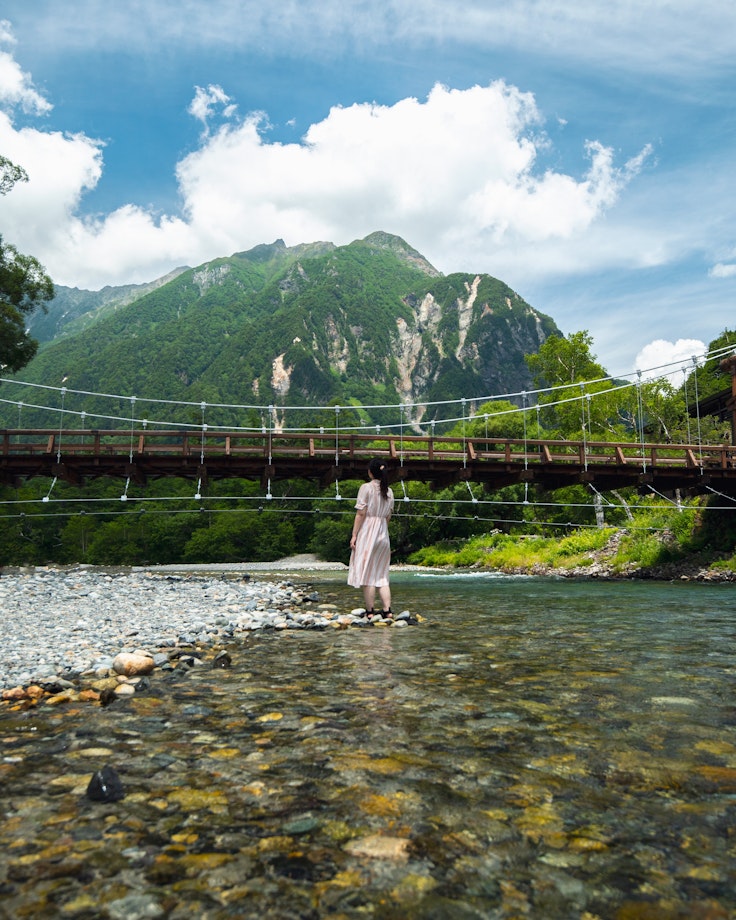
16,87
37,215
617,33
723,270
456,175
662,358
205,102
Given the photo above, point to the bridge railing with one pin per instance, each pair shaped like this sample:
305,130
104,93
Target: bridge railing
324,445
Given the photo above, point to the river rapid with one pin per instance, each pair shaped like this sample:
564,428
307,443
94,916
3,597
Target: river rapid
537,747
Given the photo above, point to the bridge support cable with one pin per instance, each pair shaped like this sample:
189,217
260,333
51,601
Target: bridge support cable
526,447
721,495
132,429
697,411
674,502
58,444
640,412
124,496
337,436
687,404
465,437
203,407
599,497
523,420
202,467
47,496
269,431
402,409
662,371
239,499
61,425
584,421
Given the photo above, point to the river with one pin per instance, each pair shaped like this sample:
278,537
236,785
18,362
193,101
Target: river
541,748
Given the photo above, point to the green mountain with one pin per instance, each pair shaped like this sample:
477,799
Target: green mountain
73,310
369,323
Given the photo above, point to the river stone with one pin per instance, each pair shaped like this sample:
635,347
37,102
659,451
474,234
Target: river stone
222,660
377,846
300,825
106,786
132,664
135,907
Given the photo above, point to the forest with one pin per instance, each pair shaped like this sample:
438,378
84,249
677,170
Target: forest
104,523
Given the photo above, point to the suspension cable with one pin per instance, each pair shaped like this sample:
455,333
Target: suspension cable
697,410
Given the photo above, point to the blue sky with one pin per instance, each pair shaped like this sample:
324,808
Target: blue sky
583,153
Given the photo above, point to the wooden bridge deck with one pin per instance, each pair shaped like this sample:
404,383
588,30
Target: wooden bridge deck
141,454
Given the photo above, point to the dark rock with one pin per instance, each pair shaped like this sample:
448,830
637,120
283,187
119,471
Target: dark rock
222,660
107,697
106,786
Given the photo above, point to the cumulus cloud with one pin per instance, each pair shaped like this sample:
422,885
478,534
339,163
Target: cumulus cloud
458,174
16,87
662,358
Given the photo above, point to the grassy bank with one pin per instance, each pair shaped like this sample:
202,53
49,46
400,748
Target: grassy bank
660,540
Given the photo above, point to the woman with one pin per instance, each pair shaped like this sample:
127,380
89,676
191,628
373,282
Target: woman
370,547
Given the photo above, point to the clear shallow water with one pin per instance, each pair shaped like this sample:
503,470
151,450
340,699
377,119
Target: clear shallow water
536,748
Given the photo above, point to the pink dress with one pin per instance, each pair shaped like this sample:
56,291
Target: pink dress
370,559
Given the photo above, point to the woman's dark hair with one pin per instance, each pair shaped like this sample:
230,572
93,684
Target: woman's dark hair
377,469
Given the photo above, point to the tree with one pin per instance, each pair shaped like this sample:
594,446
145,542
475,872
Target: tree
562,360
583,400
24,286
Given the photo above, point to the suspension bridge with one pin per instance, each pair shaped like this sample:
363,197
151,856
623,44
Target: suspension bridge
140,455
98,435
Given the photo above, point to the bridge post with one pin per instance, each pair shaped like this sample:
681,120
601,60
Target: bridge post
729,366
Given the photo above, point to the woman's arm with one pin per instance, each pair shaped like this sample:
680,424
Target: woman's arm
357,524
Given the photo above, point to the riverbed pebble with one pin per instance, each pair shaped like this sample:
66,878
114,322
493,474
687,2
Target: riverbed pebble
60,624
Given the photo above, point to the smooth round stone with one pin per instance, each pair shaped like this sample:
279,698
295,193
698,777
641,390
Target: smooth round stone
131,664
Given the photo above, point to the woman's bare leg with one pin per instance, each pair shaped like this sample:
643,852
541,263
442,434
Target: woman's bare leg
369,596
385,594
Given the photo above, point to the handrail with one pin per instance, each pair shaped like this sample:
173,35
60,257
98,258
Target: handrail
429,448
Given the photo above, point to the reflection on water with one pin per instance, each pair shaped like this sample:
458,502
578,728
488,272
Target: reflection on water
537,748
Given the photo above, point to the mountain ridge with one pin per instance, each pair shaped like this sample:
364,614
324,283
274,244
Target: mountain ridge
368,323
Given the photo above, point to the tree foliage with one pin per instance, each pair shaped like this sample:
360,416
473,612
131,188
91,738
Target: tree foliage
24,286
